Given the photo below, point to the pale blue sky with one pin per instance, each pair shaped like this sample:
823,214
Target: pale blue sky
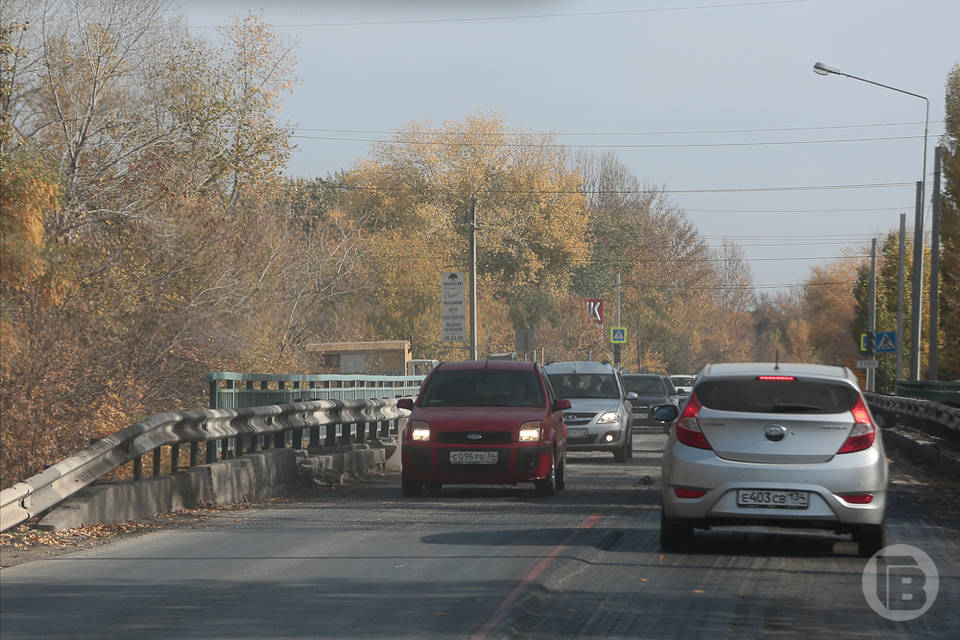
652,68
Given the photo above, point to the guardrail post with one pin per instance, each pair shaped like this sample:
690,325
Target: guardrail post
211,451
279,439
314,437
297,439
156,461
194,453
174,457
331,433
138,468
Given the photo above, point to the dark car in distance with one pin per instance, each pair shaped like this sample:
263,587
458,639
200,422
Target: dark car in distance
484,422
652,390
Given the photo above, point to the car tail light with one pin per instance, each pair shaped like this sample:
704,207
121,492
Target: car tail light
688,426
857,498
863,433
688,493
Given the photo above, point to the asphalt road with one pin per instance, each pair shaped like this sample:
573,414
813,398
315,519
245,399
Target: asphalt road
482,562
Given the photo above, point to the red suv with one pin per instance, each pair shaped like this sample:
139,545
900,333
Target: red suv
484,422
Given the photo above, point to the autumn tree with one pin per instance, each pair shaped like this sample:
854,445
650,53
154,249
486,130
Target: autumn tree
949,352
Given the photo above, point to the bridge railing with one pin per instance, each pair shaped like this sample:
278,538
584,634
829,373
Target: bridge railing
230,390
935,418
222,433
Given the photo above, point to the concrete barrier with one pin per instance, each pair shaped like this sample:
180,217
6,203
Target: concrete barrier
255,476
923,448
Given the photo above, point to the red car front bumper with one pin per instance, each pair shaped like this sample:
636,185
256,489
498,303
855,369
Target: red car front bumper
517,462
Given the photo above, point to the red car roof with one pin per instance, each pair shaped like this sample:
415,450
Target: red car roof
499,365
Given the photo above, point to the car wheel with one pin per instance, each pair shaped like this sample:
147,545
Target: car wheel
620,455
675,533
433,487
548,486
870,539
561,475
411,488
630,446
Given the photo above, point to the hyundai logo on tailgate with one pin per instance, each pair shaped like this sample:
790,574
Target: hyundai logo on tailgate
775,432
474,436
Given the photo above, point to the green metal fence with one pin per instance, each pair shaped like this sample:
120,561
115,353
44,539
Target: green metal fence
943,392
237,390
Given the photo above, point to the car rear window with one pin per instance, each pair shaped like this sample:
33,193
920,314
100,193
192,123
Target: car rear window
643,384
682,381
584,385
761,396
483,387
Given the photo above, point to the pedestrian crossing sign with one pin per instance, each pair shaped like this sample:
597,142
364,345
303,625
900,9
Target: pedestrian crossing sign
618,335
886,341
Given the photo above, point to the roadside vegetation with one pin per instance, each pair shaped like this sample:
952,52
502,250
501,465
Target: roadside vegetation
150,235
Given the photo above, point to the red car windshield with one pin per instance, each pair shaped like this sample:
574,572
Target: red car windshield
483,388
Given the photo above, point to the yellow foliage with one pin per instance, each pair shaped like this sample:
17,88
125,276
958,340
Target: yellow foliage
27,194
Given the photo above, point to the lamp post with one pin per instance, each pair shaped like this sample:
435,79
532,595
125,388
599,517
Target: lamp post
917,276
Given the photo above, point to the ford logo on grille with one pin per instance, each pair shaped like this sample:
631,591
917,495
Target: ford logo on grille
775,432
474,436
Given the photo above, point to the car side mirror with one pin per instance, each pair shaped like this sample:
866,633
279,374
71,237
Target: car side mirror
665,412
561,404
631,395
405,403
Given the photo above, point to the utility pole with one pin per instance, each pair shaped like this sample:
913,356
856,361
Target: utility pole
616,347
916,296
900,269
872,322
473,277
932,366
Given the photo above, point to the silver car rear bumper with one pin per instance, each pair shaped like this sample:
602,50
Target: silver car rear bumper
851,473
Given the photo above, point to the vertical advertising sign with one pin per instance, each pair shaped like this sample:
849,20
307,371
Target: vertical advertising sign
453,307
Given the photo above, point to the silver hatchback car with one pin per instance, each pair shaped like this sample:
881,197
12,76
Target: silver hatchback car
790,445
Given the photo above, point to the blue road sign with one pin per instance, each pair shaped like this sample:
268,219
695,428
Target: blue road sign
886,341
618,335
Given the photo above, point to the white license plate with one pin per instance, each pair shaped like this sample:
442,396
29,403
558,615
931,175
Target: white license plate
573,432
473,457
771,499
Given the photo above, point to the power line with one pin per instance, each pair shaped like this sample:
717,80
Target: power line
436,132
691,145
534,16
826,187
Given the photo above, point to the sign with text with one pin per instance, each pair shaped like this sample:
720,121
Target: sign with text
453,307
595,309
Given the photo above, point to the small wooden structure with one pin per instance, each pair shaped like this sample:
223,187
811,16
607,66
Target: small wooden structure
381,356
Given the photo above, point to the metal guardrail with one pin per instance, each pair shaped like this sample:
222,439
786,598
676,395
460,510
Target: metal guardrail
230,390
225,432
932,417
943,392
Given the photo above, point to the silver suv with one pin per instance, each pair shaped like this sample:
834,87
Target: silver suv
600,412
790,445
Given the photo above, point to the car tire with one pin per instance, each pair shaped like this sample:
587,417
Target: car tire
675,533
870,539
620,455
433,487
411,488
630,446
548,486
561,474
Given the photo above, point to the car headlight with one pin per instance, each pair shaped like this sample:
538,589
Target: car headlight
419,430
530,432
609,416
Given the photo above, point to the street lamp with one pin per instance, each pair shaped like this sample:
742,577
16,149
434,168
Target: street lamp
824,70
